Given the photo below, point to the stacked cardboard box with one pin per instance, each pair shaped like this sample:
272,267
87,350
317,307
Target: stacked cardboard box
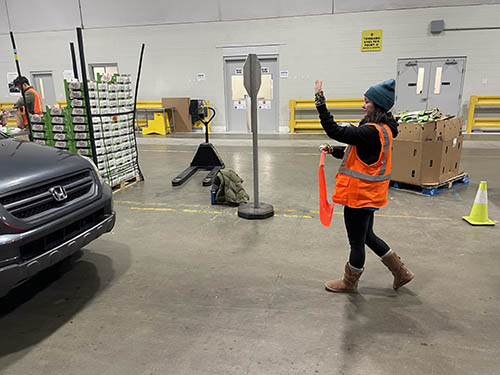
111,106
112,121
427,152
52,129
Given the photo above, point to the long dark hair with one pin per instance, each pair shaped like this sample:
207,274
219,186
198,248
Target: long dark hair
378,116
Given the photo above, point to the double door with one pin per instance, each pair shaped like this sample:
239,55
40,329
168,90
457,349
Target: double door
430,83
236,96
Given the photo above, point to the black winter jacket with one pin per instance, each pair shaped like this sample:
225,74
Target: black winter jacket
364,137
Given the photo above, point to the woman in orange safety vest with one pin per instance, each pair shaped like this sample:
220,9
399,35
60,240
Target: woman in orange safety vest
362,180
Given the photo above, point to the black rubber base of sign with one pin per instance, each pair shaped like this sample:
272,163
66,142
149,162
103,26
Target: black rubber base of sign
248,211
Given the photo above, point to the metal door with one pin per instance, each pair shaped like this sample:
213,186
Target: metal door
412,85
446,83
430,83
268,96
43,83
236,104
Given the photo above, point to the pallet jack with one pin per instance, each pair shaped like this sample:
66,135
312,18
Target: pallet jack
206,158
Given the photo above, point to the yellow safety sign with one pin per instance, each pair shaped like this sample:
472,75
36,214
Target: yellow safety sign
371,40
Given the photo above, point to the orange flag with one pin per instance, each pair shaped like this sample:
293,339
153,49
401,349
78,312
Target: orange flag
325,207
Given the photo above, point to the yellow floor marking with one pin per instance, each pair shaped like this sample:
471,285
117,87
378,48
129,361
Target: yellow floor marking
207,212
233,211
417,217
191,211
153,209
294,216
148,204
399,216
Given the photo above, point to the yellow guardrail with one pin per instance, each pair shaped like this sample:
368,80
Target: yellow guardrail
140,104
485,122
6,105
149,104
314,125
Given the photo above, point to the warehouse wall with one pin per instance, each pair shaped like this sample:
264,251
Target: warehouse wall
349,6
313,47
51,15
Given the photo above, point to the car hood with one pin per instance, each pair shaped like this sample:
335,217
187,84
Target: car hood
25,163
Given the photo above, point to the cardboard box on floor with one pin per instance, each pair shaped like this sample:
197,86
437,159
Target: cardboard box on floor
440,130
182,117
427,153
427,162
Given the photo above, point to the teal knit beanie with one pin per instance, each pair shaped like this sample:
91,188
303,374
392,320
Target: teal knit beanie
382,94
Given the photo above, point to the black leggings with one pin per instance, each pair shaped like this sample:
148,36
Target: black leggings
359,225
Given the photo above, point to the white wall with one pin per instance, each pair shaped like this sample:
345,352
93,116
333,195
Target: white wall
243,9
50,15
32,16
99,13
314,47
48,51
4,20
350,6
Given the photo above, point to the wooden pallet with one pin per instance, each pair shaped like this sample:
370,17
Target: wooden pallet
126,183
433,189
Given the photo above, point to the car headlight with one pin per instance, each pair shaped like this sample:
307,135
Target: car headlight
98,174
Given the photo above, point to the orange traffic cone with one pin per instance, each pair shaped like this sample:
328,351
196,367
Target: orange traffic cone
479,212
325,207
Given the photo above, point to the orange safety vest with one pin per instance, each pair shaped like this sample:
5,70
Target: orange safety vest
38,108
361,185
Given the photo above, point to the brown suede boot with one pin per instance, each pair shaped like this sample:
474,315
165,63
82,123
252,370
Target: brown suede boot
402,275
346,284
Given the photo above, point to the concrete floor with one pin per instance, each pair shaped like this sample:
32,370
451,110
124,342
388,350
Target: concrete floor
183,287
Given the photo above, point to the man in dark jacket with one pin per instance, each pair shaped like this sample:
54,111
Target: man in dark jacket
33,101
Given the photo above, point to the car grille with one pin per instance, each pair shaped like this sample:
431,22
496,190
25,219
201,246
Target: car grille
34,248
30,203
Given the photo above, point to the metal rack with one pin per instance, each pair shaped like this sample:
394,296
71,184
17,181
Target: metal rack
77,127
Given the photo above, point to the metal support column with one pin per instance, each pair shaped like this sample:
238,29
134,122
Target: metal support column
81,51
26,110
135,108
73,60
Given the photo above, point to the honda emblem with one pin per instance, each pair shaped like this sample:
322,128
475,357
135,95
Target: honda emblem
59,193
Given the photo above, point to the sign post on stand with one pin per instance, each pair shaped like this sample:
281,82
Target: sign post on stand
252,80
